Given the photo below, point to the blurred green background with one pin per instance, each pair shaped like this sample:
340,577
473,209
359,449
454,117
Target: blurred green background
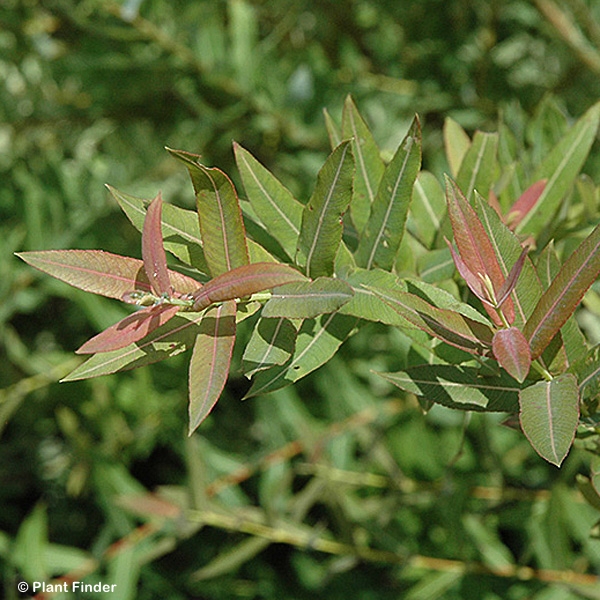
358,494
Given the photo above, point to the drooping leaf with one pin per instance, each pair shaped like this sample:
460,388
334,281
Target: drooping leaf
245,281
221,224
170,339
317,341
321,230
131,329
180,228
458,387
511,350
448,325
475,248
272,343
560,300
153,252
561,168
381,237
369,165
211,360
478,167
308,299
272,202
101,272
456,144
549,415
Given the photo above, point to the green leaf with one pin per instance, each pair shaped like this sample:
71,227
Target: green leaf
321,230
561,168
549,416
172,338
436,265
333,131
560,300
448,325
478,167
272,343
475,247
317,341
273,203
101,272
180,228
574,341
308,299
380,240
211,360
131,329
428,209
245,281
153,251
369,165
221,224
456,143
458,387
512,352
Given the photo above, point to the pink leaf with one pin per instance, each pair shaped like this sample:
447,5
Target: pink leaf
474,246
153,251
211,360
245,281
511,350
526,201
101,272
131,329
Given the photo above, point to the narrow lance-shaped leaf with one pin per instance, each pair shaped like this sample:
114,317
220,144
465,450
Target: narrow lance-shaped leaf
447,325
511,350
560,168
321,230
369,165
381,237
525,203
308,299
475,247
478,166
549,416
278,210
180,228
560,300
272,343
172,338
456,144
458,387
317,341
220,216
211,360
245,281
101,272
153,252
131,329
333,131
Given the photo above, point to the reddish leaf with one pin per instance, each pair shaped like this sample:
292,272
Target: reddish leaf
560,300
153,251
511,350
475,283
511,281
245,281
525,203
211,360
131,329
101,272
475,247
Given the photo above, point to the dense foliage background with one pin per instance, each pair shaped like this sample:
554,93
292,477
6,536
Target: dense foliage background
413,506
